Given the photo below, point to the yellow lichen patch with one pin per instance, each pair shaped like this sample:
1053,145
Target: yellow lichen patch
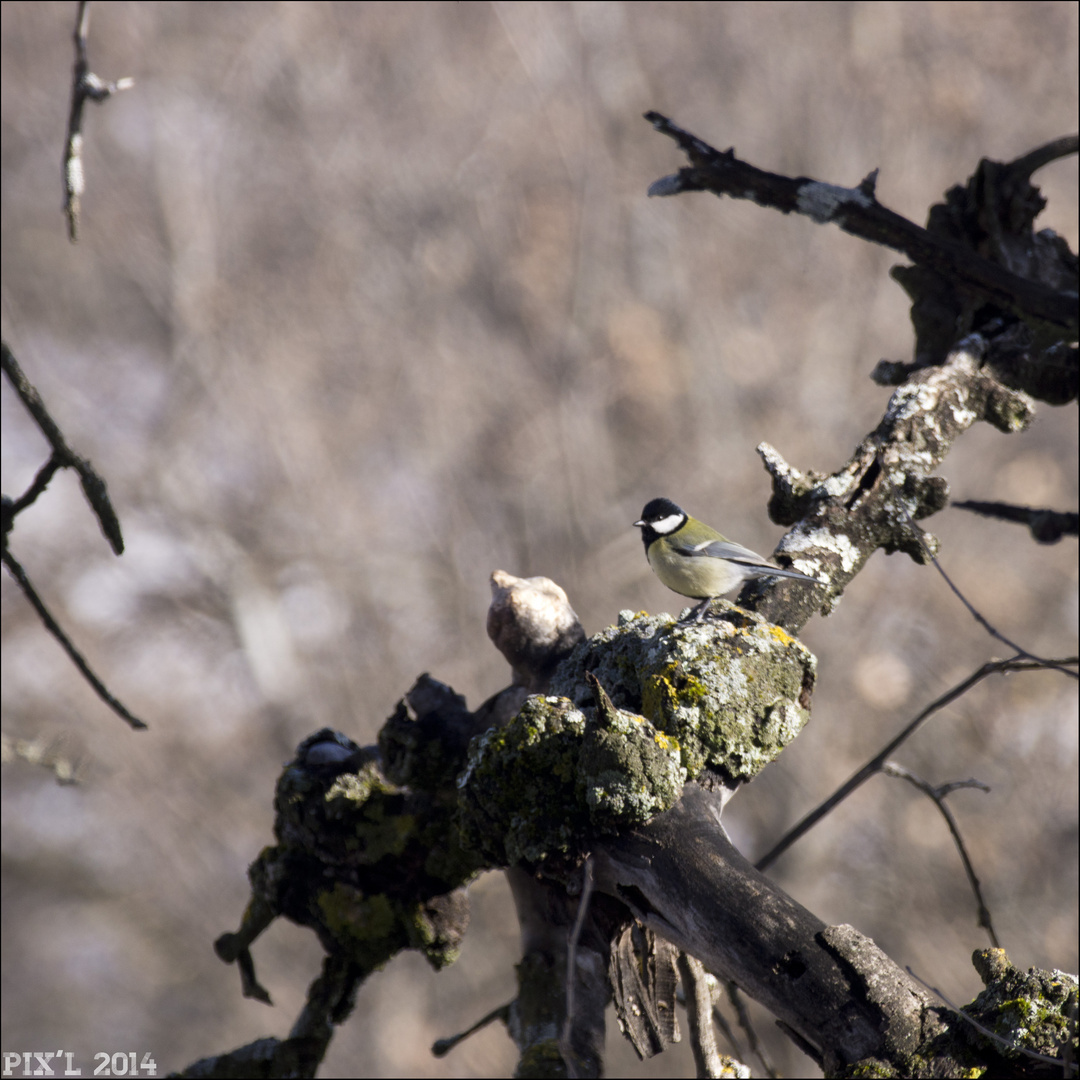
781,634
665,742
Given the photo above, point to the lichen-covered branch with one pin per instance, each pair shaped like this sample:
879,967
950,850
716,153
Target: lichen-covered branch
597,779
625,763
870,502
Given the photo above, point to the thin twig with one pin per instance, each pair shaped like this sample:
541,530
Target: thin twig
937,794
721,1021
94,487
565,1048
972,610
41,482
977,615
699,998
85,85
874,765
442,1047
735,997
97,494
1043,155
53,627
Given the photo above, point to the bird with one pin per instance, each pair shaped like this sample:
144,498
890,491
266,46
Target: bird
694,560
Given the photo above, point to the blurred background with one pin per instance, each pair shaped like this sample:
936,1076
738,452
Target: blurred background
370,302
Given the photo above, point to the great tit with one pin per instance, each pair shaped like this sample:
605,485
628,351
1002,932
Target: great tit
696,561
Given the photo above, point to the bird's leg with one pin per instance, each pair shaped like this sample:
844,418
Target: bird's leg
701,609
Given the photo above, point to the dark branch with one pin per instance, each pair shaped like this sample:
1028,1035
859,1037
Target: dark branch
857,211
53,627
1043,155
94,487
680,876
97,494
1047,526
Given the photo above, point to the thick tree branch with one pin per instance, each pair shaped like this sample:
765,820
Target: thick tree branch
842,519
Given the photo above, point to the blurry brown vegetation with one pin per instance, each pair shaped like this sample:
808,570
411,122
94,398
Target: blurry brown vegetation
368,302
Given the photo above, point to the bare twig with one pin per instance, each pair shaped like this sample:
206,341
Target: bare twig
53,627
721,1021
85,85
877,762
97,494
1035,159
94,487
738,1003
698,992
937,794
442,1047
973,611
565,1041
857,211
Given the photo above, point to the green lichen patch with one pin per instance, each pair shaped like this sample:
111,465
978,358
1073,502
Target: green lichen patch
732,691
364,928
370,866
553,778
358,824
370,929
628,770
354,818
1030,1010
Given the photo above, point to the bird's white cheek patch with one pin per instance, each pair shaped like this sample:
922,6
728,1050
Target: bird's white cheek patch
668,524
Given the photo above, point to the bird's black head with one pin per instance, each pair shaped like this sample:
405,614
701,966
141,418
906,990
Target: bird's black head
659,518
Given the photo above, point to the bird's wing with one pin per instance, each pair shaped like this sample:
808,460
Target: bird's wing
736,553
725,549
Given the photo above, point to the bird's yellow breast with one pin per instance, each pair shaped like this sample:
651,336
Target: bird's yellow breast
694,576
